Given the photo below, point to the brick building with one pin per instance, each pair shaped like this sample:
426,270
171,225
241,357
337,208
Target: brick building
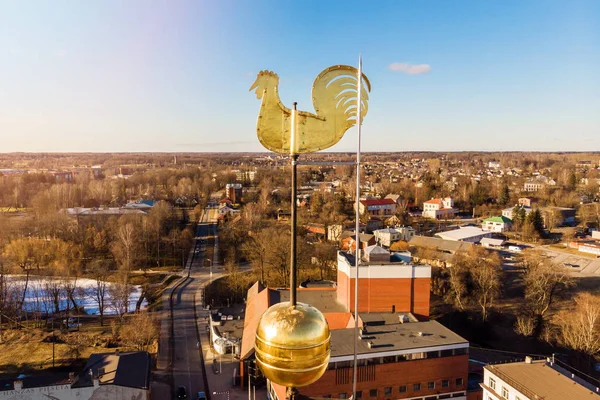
385,286
234,192
401,354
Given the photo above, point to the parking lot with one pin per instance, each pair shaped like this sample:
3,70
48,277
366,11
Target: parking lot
580,265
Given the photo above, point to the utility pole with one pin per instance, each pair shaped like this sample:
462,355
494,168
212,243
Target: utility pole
53,342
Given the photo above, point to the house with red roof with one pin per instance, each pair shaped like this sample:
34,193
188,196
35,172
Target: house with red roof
380,207
439,208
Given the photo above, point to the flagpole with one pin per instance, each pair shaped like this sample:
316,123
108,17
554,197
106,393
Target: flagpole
357,223
294,161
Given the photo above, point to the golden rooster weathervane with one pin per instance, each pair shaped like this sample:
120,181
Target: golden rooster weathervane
292,342
334,96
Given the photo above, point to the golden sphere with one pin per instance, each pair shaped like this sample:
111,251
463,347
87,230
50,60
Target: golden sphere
292,344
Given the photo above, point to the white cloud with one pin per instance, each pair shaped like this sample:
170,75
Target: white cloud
61,53
410,69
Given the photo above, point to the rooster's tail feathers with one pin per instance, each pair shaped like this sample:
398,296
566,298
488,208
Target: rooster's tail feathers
335,92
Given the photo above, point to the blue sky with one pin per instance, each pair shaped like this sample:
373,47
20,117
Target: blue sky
174,75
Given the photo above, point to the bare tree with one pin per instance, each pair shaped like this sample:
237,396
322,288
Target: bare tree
475,275
457,286
543,280
140,332
54,290
325,257
486,276
124,246
579,327
255,248
100,271
119,292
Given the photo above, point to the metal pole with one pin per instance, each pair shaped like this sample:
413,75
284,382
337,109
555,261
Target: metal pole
53,342
357,226
294,161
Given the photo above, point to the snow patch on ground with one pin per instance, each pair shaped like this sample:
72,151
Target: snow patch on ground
37,299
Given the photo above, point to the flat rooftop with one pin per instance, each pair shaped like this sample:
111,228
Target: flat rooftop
392,335
541,379
323,299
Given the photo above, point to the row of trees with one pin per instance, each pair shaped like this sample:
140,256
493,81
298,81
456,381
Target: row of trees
266,247
476,280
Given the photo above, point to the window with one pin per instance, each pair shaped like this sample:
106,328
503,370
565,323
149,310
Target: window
445,383
342,396
402,389
459,381
492,383
387,391
373,392
460,352
504,392
430,385
417,387
359,394
446,353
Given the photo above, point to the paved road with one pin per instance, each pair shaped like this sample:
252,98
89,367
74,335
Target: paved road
187,366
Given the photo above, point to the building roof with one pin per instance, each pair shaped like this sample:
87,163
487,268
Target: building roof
325,299
434,201
439,244
59,378
463,233
386,230
492,242
123,369
541,379
500,219
339,320
377,202
364,237
526,208
389,335
376,249
79,211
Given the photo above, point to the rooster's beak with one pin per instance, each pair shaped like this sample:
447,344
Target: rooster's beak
254,86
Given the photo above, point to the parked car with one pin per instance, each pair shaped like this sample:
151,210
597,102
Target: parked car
181,393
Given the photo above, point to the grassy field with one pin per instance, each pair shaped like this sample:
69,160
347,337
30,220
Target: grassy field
29,350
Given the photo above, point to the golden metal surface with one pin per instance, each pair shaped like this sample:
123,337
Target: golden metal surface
292,344
334,95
